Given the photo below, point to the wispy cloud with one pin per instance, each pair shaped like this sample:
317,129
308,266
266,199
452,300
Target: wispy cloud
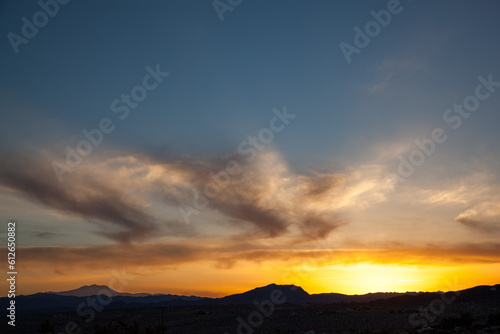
266,200
47,235
275,201
464,191
225,254
83,195
483,217
390,71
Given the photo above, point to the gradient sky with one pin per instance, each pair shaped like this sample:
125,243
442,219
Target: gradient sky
320,205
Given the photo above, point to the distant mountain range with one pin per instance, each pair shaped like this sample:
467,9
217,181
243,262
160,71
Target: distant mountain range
68,301
294,294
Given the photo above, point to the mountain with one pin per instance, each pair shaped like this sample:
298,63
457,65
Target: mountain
483,294
94,289
291,294
88,290
68,301
486,293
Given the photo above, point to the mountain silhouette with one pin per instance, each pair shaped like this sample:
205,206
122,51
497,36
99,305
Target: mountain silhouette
88,290
291,294
94,289
67,301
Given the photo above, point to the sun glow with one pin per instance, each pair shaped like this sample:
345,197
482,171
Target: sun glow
366,278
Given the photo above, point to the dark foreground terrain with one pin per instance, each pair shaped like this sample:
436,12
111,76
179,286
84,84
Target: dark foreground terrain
287,318
271,309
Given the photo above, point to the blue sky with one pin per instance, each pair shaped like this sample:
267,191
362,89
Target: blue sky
230,74
225,78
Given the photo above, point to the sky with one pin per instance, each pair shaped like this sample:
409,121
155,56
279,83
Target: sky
210,147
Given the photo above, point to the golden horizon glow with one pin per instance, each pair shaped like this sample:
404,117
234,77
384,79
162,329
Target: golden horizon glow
350,279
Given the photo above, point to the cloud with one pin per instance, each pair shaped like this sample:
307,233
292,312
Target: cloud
269,198
135,196
225,254
463,191
82,195
66,258
483,217
47,235
261,198
477,193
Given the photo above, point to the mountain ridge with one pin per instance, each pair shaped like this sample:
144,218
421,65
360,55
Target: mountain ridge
54,302
94,289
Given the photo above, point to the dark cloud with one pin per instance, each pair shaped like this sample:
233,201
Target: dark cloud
47,235
319,185
224,253
265,220
107,256
263,197
81,195
318,227
478,225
